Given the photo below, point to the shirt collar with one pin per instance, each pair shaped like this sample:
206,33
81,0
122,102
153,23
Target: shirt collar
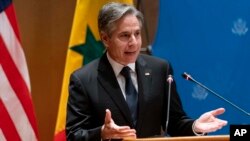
118,67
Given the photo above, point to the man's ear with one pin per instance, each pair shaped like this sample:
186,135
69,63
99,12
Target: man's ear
105,39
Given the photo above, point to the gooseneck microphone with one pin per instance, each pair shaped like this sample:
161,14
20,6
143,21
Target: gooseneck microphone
190,78
169,80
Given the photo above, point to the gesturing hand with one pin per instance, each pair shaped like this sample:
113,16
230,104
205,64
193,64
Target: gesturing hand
208,122
112,131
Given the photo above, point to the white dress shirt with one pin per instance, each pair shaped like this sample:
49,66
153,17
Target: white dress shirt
121,80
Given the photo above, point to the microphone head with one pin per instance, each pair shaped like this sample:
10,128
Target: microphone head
187,76
170,79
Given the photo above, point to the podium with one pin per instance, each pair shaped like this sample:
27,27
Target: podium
189,138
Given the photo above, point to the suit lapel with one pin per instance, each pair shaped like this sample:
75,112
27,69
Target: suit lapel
144,77
107,79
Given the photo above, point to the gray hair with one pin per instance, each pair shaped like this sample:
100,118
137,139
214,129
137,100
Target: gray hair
112,12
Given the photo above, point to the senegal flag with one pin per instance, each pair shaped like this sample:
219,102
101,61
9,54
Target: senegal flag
84,46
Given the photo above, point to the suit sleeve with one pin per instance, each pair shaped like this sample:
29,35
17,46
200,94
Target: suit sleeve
78,121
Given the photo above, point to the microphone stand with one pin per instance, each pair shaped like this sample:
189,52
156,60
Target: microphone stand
190,78
169,80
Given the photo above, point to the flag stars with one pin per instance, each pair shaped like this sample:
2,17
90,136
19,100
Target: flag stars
92,48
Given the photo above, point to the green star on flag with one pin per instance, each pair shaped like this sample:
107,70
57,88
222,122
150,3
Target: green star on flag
92,48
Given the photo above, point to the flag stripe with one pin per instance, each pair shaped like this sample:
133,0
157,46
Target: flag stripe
12,19
17,83
7,126
15,92
2,137
60,136
14,47
15,109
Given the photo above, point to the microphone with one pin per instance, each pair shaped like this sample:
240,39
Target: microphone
190,78
169,80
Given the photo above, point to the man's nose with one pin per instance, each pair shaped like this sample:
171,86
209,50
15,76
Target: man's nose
132,39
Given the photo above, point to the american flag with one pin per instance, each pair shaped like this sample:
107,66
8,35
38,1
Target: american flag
17,117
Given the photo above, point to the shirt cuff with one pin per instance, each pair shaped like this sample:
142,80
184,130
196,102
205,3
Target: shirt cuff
197,134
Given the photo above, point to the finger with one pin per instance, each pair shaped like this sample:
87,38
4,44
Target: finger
121,128
209,128
123,135
115,127
108,117
218,111
130,135
213,126
222,122
127,131
124,130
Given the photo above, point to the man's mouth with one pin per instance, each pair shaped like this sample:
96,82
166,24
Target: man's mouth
130,53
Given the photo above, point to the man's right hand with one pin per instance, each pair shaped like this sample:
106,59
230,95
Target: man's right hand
112,131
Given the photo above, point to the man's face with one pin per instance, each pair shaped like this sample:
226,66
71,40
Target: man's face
125,42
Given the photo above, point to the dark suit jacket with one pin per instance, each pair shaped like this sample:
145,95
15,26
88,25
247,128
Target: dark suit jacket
94,88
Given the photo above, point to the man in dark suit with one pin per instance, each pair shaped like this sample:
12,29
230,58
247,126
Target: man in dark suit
100,106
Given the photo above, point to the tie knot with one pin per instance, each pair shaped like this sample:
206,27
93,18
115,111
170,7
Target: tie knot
125,72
